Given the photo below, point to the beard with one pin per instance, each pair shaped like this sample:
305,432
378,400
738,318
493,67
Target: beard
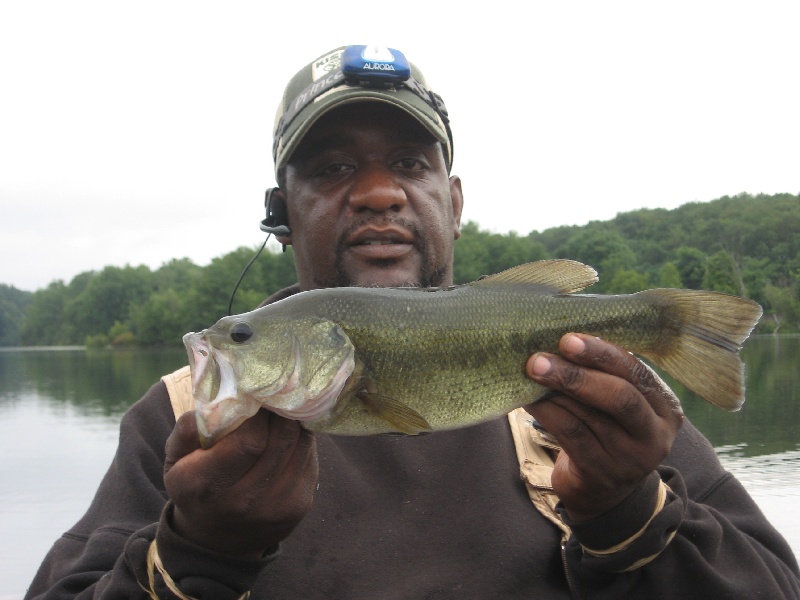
430,274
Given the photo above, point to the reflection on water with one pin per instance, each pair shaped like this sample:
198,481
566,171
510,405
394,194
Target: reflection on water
60,411
94,382
773,474
769,422
772,480
59,455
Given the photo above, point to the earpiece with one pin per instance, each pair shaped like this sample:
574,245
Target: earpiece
277,221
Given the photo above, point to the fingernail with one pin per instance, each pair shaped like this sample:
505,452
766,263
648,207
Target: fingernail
541,366
574,345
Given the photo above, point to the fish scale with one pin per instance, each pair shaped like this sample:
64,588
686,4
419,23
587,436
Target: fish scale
423,360
472,369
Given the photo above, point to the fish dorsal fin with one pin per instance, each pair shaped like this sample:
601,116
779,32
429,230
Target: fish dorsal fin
561,275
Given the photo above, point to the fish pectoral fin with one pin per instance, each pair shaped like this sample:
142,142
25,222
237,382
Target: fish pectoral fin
401,417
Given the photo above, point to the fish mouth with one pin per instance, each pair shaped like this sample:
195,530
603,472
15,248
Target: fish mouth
214,392
221,407
202,364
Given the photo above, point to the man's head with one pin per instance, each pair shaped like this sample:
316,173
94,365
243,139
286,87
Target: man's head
352,74
363,173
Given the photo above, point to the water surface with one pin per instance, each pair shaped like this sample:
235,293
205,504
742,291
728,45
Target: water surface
60,410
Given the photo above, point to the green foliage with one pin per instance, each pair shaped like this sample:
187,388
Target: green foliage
783,306
479,253
745,245
107,298
13,304
669,276
134,305
44,322
691,264
156,320
121,335
627,281
609,253
97,341
721,274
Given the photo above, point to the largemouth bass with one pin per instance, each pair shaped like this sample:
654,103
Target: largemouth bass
358,361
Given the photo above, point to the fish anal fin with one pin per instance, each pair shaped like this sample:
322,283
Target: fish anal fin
400,416
559,275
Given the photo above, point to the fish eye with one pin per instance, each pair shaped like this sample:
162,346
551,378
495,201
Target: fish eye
241,332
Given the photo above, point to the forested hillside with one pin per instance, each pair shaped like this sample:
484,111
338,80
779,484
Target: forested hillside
745,245
13,304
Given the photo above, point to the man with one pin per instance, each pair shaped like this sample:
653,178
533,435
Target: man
272,511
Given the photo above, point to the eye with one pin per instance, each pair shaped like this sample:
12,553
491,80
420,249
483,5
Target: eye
241,332
332,170
411,163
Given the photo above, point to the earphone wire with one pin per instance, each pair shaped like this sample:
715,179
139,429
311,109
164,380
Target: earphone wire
244,272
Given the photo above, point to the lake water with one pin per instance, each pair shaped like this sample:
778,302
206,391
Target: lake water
60,410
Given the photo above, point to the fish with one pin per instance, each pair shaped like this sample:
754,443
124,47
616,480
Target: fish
364,361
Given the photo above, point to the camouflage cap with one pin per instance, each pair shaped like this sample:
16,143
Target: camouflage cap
321,86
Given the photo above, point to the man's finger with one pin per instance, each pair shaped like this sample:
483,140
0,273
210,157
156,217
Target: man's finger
609,358
183,440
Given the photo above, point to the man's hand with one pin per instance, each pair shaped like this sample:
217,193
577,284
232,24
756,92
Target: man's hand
616,421
248,491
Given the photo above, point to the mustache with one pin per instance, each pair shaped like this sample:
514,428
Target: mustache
380,222
429,276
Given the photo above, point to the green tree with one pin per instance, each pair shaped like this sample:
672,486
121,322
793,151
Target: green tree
605,250
479,253
783,308
691,266
208,300
161,320
755,275
277,272
44,319
180,275
627,281
669,276
13,304
120,334
108,298
721,273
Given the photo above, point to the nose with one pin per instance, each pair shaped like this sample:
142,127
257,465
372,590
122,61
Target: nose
376,189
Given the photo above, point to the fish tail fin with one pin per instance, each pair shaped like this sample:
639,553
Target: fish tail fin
710,329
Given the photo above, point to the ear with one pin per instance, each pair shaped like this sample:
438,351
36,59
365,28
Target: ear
457,198
278,214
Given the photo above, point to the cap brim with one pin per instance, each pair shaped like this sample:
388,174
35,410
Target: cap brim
403,99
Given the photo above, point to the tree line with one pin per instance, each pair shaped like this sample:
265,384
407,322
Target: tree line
745,245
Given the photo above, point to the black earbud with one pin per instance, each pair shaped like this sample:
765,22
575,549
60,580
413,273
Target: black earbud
277,221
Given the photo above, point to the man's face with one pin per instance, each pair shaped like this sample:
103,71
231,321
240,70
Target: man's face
370,203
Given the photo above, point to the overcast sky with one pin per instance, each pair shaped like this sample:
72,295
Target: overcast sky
137,132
